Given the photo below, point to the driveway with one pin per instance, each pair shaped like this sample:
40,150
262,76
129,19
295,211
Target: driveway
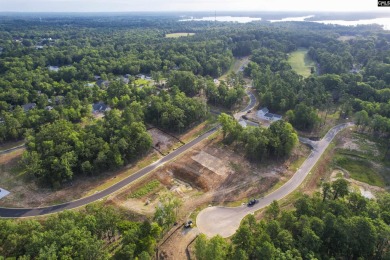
225,221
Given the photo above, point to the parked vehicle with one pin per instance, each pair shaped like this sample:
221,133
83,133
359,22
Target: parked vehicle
252,202
188,224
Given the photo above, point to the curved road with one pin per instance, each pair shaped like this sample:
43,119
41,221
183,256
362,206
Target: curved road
225,221
31,212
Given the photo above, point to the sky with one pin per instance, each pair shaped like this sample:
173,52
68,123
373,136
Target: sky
186,5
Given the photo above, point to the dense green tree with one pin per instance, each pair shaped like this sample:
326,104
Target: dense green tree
303,117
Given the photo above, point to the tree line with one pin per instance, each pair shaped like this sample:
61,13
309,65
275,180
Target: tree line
277,141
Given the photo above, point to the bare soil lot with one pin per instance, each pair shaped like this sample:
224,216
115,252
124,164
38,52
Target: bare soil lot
162,141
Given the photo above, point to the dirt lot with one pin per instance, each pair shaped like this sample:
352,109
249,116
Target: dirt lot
211,173
162,141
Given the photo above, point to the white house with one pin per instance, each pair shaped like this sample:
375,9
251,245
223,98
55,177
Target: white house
266,115
243,123
53,68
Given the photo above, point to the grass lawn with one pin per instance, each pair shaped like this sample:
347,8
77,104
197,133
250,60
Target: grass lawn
361,170
146,189
177,35
301,62
139,165
141,82
235,66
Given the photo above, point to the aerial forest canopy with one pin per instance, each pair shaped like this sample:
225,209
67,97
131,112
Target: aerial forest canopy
57,73
82,92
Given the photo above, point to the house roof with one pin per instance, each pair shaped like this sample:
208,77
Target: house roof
264,110
29,106
100,106
101,82
53,68
242,123
273,116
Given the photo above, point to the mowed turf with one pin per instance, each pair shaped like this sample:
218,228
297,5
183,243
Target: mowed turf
301,62
177,35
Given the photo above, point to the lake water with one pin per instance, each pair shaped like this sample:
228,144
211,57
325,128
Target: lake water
292,19
236,19
385,22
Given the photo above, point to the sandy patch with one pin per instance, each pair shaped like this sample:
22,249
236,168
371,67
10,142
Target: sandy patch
351,145
212,163
366,190
366,193
180,188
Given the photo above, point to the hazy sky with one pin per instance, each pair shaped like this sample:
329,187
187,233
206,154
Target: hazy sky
187,5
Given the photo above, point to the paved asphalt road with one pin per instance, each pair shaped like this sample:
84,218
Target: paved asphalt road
31,212
225,221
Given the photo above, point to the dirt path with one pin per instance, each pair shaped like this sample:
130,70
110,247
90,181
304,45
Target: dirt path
174,248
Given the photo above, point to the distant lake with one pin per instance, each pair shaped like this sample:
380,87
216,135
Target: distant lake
385,22
237,19
292,19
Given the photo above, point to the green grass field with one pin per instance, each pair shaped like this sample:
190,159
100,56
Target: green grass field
177,35
146,189
301,62
141,82
360,169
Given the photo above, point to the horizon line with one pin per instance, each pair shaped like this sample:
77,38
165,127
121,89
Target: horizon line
200,11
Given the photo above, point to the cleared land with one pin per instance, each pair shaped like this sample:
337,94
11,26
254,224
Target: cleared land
236,66
363,159
177,35
301,62
198,182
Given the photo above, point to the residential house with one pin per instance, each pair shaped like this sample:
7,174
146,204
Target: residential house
242,123
124,79
59,100
102,83
266,115
100,107
140,76
29,106
53,68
